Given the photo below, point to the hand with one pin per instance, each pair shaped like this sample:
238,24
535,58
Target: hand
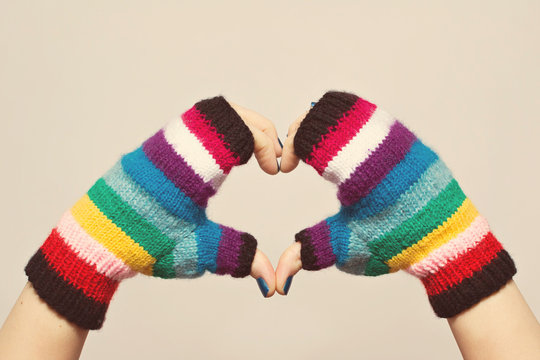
147,215
401,207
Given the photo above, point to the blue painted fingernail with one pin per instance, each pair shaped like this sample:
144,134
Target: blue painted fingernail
263,286
287,285
279,141
313,103
278,167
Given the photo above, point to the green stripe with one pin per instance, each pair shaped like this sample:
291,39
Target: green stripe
164,267
123,216
433,215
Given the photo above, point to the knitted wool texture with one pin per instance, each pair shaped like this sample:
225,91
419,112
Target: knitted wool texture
147,215
401,209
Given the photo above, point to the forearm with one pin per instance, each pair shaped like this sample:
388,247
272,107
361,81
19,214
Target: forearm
33,330
502,326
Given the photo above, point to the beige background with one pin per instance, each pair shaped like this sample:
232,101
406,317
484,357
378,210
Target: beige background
83,82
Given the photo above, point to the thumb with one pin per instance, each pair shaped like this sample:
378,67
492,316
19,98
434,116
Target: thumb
263,271
289,264
225,250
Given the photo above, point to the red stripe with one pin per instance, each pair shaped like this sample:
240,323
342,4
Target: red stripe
213,141
347,127
464,266
76,271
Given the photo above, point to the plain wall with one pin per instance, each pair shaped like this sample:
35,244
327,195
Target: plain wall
83,82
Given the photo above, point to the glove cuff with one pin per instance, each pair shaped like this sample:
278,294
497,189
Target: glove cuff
68,284
461,273
227,124
317,251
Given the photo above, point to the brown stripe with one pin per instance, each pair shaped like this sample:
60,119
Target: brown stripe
320,119
225,119
472,290
245,258
307,252
62,297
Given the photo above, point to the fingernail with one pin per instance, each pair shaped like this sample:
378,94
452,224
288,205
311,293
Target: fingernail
313,103
287,285
279,141
278,166
263,286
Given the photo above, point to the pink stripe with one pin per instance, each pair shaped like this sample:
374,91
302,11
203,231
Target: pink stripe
453,249
91,251
340,135
213,142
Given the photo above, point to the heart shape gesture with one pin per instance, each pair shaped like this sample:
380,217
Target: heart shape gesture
401,210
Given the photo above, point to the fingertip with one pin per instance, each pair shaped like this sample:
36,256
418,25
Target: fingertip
263,272
289,265
288,164
289,160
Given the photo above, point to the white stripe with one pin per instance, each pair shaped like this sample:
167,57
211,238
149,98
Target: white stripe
359,148
186,144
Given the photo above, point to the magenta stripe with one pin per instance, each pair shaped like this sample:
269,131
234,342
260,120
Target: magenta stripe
340,135
175,168
372,171
322,248
228,251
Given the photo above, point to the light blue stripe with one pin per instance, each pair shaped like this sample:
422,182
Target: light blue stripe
208,238
180,231
150,178
434,180
398,180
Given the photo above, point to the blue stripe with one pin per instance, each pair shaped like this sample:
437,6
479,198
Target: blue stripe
339,237
432,182
179,230
208,238
150,178
398,181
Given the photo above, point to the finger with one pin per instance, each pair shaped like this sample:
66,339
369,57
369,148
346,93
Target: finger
289,160
258,121
289,264
262,268
264,152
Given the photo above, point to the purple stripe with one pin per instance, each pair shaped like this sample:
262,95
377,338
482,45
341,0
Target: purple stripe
373,170
228,250
175,168
322,248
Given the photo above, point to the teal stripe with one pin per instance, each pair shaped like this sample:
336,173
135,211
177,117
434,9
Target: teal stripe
131,223
142,171
433,215
183,260
432,182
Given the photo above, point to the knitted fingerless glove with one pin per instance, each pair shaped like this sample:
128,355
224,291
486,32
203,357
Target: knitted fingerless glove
147,215
401,207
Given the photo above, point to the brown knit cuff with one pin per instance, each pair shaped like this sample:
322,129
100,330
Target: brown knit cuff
472,289
227,122
320,120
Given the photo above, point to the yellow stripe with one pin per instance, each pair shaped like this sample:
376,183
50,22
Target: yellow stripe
455,225
103,230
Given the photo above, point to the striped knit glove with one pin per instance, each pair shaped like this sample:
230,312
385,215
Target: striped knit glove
147,215
401,207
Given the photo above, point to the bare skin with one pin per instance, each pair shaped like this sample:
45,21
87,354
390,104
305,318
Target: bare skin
33,330
502,326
